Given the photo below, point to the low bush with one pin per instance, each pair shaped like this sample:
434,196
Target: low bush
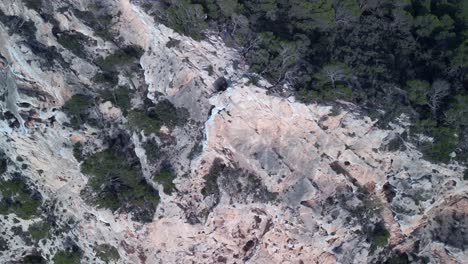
77,109
114,60
73,41
119,97
163,113
444,140
3,165
107,253
18,198
211,179
119,58
78,151
114,183
139,120
67,257
166,178
152,150
378,236
33,4
98,19
39,230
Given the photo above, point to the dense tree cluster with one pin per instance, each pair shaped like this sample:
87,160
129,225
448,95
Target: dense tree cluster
395,55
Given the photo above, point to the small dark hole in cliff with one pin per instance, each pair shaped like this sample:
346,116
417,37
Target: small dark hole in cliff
221,84
347,163
24,105
12,121
211,111
389,192
249,245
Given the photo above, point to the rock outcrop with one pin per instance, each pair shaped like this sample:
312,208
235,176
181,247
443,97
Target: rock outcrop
256,178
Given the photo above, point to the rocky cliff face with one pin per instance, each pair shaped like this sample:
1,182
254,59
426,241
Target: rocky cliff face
125,142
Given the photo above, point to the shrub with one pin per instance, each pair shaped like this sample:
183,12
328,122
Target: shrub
139,120
152,150
211,179
166,178
67,257
39,230
186,18
109,78
444,140
98,19
110,62
417,90
33,259
3,165
73,42
119,97
164,113
107,253
78,151
33,4
195,151
18,198
114,183
119,58
77,108
378,236
444,143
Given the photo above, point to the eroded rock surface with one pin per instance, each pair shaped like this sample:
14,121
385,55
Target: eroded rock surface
242,176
